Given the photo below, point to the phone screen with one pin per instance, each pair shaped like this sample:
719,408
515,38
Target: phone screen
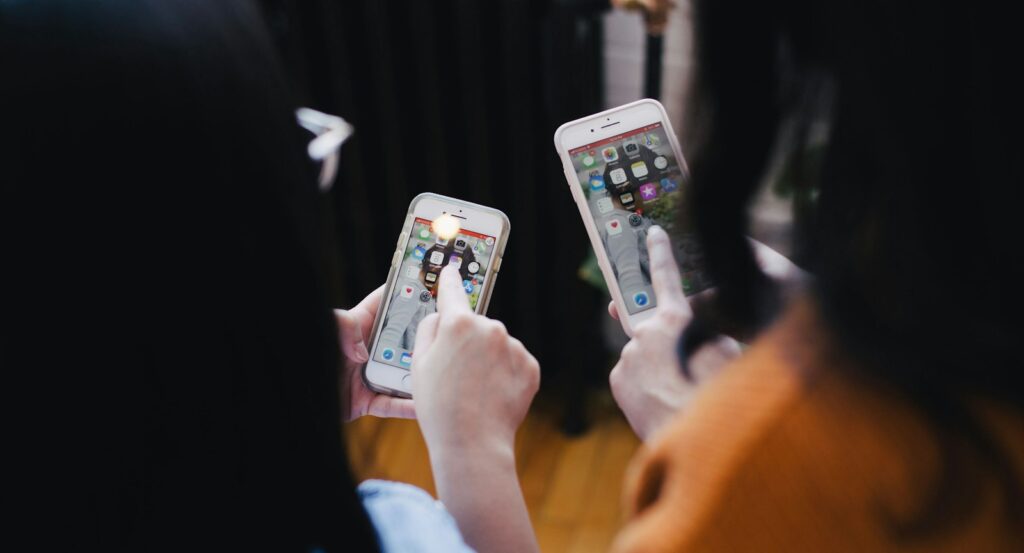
413,296
632,181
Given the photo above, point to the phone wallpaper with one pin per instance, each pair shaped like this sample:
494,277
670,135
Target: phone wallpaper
413,296
632,181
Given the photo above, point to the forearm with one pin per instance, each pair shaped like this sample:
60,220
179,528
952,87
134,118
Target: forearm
481,491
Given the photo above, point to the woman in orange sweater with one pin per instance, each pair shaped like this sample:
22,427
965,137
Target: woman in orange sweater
880,406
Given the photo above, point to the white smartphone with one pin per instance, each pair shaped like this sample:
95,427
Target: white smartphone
626,173
438,231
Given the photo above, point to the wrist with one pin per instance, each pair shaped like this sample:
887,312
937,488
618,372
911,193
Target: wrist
463,456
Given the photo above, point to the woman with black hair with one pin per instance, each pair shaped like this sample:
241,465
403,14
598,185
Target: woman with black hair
881,406
164,316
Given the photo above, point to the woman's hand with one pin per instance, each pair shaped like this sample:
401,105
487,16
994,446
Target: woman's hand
647,382
354,326
473,384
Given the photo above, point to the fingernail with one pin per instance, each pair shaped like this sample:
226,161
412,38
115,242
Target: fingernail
655,229
362,352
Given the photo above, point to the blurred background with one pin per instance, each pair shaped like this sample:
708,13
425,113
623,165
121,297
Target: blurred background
462,98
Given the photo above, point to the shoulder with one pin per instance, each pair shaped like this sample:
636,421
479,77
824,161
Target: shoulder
408,519
775,453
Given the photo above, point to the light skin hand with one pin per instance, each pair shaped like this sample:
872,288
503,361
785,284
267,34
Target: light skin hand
647,382
354,327
473,385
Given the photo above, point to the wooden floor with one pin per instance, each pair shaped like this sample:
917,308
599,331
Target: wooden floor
572,486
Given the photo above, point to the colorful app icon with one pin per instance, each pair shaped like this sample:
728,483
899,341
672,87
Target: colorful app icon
441,241
597,182
456,261
431,278
489,241
588,160
648,191
652,140
639,169
473,267
635,220
610,154
480,248
412,271
626,198
425,295
405,359
460,244
419,251
668,185
467,285
436,258
604,205
641,299
388,354
661,162
407,291
613,227
618,175
425,233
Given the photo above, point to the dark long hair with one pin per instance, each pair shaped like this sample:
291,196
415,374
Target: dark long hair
895,122
163,312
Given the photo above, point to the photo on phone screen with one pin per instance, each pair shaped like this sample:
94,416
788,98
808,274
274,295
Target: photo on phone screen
415,292
631,181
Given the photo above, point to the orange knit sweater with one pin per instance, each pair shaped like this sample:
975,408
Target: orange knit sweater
782,452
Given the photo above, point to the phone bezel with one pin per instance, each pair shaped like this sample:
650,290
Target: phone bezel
595,128
388,379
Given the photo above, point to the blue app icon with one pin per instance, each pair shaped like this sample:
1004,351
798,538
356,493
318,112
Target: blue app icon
388,354
419,251
640,299
467,285
597,182
406,359
668,185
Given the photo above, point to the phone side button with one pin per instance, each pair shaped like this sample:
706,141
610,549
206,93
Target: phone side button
497,265
401,240
396,257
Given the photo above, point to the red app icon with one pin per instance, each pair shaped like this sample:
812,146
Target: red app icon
614,226
407,291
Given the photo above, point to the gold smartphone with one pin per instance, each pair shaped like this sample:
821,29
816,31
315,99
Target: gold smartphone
438,231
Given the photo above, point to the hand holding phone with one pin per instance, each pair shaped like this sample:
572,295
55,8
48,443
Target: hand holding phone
474,384
354,327
473,381
647,382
